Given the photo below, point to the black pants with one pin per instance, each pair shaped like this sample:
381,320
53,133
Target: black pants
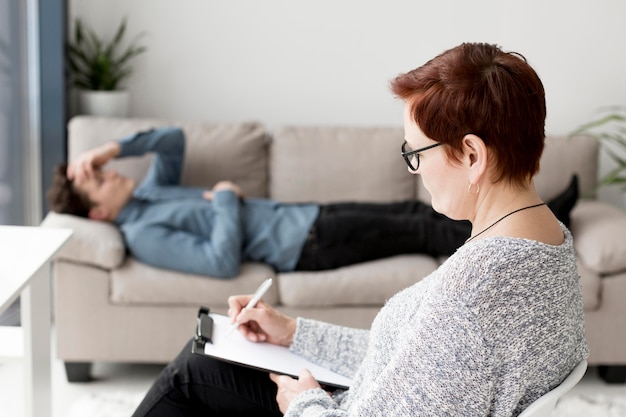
349,233
195,385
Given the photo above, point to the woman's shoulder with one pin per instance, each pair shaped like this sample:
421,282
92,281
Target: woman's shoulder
496,248
488,265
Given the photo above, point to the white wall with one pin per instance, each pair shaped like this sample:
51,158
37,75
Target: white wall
330,61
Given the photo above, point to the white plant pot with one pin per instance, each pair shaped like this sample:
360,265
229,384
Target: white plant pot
104,103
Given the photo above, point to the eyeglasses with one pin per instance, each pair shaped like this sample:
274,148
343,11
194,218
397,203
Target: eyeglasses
408,154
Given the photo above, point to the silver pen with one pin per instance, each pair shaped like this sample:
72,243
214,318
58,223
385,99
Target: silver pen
258,294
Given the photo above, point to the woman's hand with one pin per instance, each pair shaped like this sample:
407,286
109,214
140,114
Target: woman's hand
289,388
261,323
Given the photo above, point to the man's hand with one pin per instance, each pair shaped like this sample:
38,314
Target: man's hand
289,388
221,186
84,166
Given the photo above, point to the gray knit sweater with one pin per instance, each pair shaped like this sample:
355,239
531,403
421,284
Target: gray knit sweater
496,326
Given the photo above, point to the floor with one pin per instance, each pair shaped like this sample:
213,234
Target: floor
134,380
110,380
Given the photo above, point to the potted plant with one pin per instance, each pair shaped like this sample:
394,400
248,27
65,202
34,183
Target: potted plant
99,67
609,128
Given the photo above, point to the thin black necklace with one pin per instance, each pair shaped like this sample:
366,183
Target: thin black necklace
502,218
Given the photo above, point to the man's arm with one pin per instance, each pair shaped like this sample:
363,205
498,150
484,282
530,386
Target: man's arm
167,143
168,146
217,255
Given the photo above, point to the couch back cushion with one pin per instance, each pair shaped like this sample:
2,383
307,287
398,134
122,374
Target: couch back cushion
564,156
331,164
323,164
214,151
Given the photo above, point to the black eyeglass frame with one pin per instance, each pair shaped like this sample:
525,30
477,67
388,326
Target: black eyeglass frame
408,156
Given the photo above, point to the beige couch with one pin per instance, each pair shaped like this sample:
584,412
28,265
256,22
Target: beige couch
110,307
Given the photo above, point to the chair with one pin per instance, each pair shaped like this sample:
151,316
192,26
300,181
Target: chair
544,405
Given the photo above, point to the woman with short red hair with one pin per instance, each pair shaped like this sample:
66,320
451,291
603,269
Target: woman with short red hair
496,326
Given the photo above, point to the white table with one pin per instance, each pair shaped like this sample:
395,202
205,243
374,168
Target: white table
25,254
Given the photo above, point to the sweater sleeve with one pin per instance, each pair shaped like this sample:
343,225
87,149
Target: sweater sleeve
447,375
338,348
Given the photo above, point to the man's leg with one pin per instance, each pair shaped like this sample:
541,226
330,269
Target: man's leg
196,385
349,233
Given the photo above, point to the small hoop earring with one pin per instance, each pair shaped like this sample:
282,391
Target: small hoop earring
469,189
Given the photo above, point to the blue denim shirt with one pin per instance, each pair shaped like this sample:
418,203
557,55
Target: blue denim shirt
174,227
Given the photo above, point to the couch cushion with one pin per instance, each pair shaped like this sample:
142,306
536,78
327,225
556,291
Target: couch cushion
236,152
598,230
93,242
367,283
591,287
562,157
138,283
214,151
330,164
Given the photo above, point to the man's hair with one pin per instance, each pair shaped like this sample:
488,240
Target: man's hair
479,89
64,198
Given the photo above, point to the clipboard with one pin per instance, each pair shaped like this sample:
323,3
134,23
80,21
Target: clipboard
211,340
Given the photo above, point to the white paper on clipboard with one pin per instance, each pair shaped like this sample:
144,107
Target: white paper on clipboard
265,356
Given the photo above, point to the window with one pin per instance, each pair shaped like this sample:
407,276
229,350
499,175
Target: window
15,117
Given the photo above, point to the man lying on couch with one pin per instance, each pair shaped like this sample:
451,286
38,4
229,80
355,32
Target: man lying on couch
210,232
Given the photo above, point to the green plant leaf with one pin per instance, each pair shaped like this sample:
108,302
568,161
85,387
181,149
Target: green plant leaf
97,64
117,38
609,130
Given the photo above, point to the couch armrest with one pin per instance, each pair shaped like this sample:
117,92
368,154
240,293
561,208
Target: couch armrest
598,230
93,242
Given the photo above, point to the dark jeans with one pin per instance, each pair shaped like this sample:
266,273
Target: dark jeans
349,233
197,385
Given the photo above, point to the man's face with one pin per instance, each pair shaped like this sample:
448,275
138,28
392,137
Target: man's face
106,188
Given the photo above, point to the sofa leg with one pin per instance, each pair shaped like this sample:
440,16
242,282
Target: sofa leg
613,374
78,371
